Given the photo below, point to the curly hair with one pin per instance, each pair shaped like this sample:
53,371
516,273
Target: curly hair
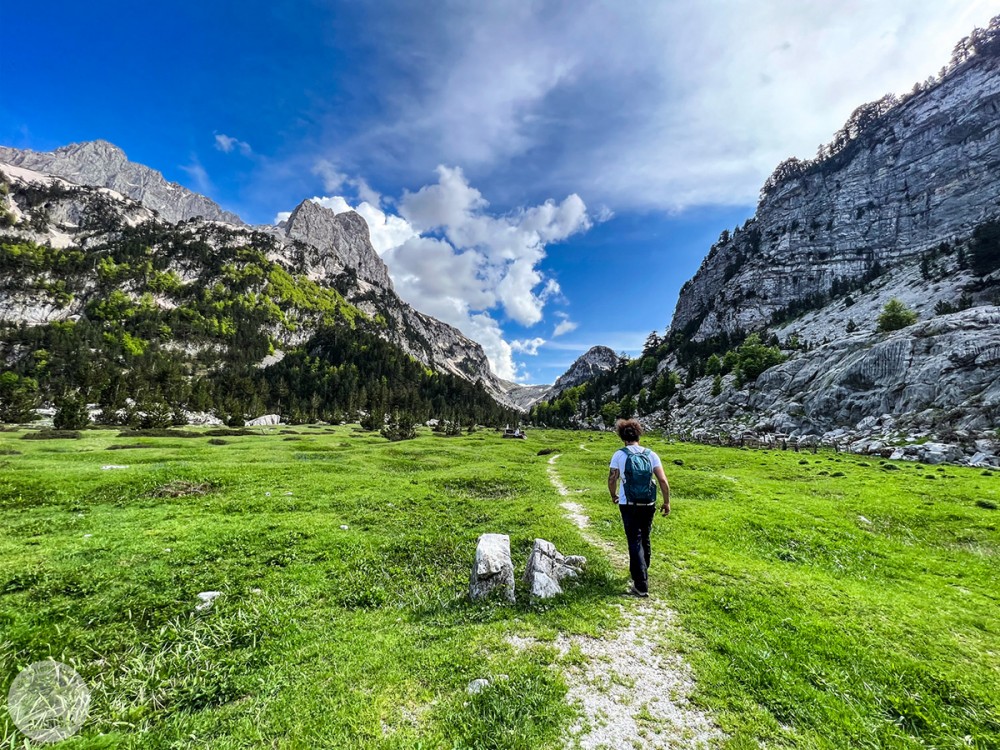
629,430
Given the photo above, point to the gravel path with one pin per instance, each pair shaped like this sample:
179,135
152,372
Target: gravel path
633,687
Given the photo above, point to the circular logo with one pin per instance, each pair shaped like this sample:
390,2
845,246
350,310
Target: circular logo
48,701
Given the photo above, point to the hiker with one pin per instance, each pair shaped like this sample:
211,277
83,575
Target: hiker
637,467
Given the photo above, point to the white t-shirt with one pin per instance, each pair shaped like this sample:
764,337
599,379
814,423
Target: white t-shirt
618,462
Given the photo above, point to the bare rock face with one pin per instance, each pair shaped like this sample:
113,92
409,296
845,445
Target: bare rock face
525,396
102,164
950,362
547,568
340,240
492,571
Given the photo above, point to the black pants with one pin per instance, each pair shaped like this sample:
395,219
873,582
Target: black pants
638,520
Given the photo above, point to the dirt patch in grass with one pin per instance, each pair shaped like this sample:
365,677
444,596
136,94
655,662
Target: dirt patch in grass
484,489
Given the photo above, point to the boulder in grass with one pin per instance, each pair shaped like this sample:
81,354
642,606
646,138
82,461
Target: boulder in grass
267,419
492,571
547,568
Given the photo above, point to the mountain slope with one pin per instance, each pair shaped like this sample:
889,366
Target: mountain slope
97,291
332,249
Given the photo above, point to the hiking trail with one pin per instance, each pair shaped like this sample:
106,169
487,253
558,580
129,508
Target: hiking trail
634,687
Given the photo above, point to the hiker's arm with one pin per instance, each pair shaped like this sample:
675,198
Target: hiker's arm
613,484
661,478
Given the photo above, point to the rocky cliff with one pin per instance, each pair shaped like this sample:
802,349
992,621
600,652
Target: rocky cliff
891,209
925,171
595,361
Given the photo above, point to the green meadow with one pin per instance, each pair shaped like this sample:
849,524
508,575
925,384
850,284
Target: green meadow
823,601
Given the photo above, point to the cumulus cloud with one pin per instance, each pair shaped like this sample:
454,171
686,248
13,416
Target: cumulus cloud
227,144
450,258
636,105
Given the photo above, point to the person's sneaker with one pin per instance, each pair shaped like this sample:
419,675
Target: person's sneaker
633,591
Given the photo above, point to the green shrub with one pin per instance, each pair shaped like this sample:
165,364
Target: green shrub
71,413
895,315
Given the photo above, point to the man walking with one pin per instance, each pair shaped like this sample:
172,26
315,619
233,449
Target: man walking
636,467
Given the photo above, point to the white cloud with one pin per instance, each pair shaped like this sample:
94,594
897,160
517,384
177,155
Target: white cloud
227,144
637,105
450,259
527,346
565,325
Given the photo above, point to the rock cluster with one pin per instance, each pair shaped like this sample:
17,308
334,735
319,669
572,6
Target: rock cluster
493,570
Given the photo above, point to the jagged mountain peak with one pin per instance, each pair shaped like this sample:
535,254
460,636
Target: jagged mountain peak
102,164
593,362
346,235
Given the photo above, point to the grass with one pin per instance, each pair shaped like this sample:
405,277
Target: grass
829,603
323,637
825,604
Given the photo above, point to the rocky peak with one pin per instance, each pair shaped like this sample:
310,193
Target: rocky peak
102,164
596,361
341,237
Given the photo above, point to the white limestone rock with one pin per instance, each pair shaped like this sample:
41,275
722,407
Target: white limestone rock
547,568
266,419
492,570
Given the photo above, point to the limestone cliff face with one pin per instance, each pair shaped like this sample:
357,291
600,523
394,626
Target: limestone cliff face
926,172
102,164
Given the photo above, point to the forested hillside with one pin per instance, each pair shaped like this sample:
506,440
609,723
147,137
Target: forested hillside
150,320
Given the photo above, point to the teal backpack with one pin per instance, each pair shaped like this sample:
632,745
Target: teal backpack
640,489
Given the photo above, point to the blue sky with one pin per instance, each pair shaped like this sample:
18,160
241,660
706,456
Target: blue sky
521,164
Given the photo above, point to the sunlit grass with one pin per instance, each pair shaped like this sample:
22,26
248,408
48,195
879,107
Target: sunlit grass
824,600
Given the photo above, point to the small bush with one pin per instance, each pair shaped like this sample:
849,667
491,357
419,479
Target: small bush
546,451
225,432
129,447
987,504
71,414
159,432
895,315
218,441
9,452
